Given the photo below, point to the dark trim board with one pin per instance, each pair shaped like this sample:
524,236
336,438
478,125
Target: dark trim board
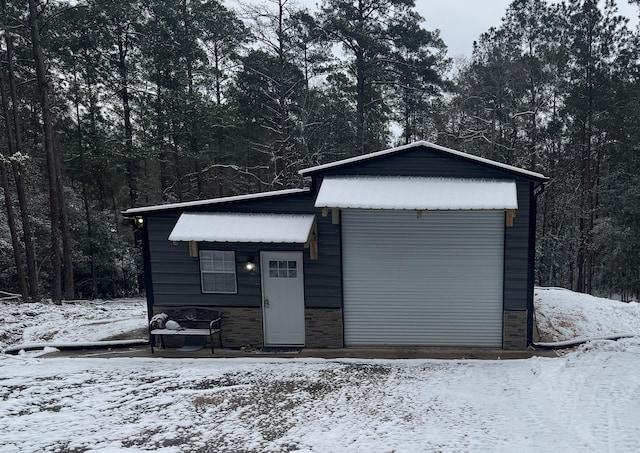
146,262
532,262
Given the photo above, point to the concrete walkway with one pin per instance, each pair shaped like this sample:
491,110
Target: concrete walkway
354,353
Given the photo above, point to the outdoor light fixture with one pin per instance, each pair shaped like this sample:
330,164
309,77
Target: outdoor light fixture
139,221
251,266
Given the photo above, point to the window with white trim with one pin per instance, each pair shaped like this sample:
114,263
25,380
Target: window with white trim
218,271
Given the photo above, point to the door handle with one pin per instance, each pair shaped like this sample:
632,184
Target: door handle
266,302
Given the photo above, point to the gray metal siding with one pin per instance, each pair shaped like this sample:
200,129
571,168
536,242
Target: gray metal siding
176,275
432,163
435,280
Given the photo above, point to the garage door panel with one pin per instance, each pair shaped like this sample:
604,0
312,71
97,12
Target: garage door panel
434,280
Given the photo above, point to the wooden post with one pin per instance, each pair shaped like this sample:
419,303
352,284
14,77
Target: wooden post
335,216
193,249
312,242
509,216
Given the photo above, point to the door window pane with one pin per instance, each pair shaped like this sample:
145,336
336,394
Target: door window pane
283,269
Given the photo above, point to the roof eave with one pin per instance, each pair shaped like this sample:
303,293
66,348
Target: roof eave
141,211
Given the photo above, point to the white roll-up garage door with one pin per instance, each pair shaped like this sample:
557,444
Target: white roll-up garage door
434,280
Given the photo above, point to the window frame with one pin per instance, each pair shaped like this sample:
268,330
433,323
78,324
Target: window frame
210,252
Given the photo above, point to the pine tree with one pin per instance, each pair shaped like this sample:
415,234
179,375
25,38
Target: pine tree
365,29
59,220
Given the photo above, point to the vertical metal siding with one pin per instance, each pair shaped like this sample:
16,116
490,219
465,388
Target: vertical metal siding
435,280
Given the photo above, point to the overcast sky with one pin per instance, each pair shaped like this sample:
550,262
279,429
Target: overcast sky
462,21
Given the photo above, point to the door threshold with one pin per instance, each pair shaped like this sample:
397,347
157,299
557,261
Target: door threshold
279,350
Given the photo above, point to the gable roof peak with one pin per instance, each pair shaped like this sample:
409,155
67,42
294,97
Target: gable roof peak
421,144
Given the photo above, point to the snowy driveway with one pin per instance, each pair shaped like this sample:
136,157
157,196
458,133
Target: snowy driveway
586,401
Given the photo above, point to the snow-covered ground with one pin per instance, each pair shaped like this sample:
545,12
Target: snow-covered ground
587,400
563,315
77,321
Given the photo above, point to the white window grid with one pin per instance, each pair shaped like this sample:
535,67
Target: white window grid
218,271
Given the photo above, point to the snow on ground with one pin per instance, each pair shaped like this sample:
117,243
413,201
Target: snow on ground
72,321
563,315
588,400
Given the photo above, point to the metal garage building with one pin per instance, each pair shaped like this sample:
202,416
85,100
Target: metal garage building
418,245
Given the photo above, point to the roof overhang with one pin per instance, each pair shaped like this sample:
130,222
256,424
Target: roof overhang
417,193
131,212
241,227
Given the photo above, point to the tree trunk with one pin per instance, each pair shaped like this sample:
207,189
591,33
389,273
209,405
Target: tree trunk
67,255
283,140
51,160
92,253
17,255
4,180
587,207
85,198
193,138
17,167
360,100
133,166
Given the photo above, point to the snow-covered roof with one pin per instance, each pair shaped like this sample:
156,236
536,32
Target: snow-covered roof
394,192
240,227
211,201
418,144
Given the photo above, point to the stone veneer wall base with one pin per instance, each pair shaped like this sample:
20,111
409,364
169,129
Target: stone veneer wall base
324,328
514,331
241,327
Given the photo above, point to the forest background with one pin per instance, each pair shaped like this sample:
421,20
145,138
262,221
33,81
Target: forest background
111,104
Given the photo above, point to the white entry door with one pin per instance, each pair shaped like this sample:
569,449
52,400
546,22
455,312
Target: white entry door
282,298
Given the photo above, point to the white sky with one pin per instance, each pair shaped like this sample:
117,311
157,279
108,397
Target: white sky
462,21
